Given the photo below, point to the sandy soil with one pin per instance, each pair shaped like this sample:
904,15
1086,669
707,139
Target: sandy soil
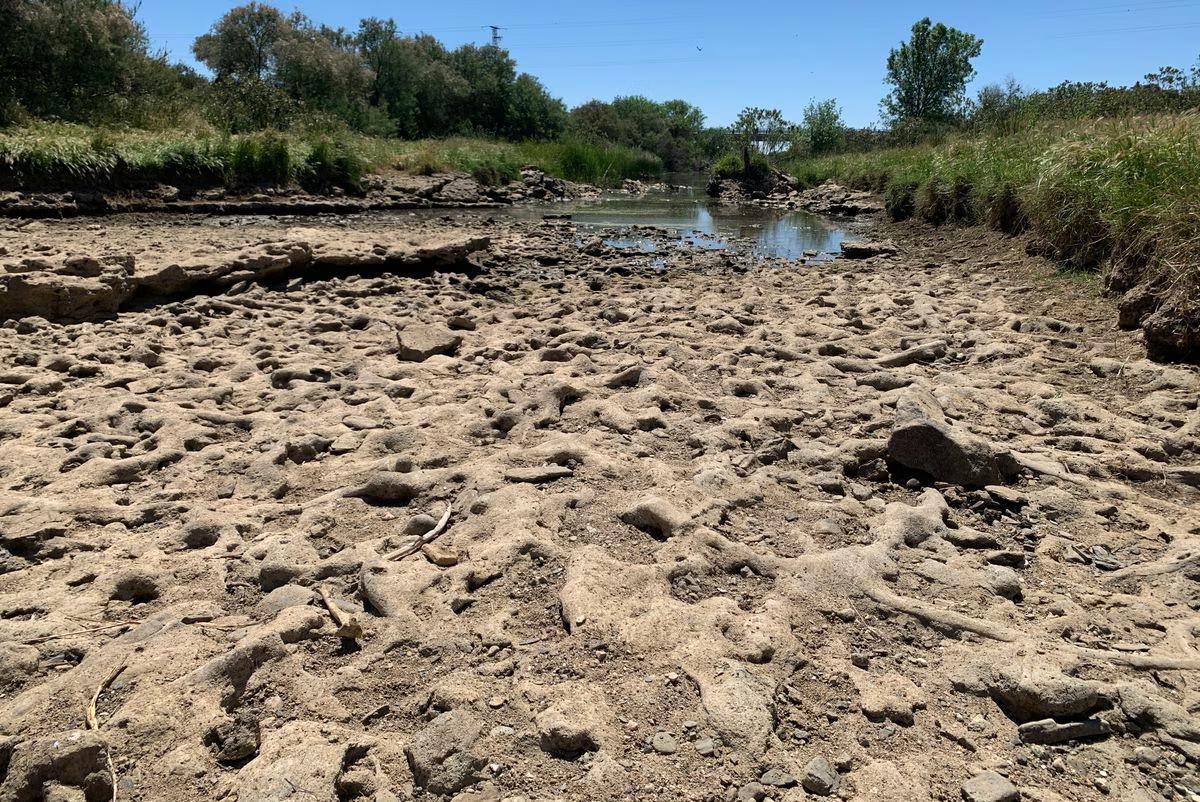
919,526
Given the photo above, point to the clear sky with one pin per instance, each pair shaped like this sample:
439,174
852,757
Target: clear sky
722,56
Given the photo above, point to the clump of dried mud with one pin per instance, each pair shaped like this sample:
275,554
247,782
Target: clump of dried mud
917,526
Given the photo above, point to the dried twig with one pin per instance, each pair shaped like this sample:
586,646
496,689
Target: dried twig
423,540
93,723
348,626
89,631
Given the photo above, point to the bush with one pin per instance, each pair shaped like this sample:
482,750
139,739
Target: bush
331,164
900,200
260,160
730,166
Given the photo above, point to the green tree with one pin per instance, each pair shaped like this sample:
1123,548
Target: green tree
764,129
823,127
74,59
242,43
672,130
321,69
929,73
489,73
532,113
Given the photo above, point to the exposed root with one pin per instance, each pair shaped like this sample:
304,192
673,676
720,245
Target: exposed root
423,540
945,619
348,626
94,724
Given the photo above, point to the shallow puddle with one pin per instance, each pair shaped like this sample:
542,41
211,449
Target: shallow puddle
699,221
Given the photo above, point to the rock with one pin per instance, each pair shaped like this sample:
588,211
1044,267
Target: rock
285,596
539,474
865,250
306,449
777,778
751,792
924,440
664,743
459,190
657,517
1049,731
419,341
135,585
1003,581
988,786
300,754
75,758
1040,692
441,755
706,747
566,731
819,777
234,741
889,696
727,325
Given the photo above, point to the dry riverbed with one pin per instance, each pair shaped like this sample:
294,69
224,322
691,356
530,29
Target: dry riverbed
404,508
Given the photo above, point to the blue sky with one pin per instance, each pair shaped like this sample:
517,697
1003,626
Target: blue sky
723,56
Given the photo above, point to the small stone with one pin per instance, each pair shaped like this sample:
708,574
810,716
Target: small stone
989,786
819,777
706,747
777,778
664,743
539,474
442,558
751,792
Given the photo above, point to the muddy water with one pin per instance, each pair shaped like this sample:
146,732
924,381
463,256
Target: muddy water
699,221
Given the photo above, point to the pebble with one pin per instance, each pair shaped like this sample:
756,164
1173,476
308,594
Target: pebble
989,786
664,743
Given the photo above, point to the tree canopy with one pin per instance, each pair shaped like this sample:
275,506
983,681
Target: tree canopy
929,73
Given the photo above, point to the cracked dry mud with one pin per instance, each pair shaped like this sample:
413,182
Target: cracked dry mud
918,526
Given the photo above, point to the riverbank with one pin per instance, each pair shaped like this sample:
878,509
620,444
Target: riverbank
1121,197
388,507
48,156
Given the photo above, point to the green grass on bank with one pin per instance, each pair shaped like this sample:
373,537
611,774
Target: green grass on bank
1121,193
53,155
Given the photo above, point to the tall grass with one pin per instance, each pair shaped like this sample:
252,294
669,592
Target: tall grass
494,162
1120,194
56,155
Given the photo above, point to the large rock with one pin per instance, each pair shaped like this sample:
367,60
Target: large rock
1039,692
76,758
459,190
865,250
924,440
441,756
419,341
301,754
58,292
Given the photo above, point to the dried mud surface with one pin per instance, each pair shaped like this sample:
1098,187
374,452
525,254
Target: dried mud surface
916,526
